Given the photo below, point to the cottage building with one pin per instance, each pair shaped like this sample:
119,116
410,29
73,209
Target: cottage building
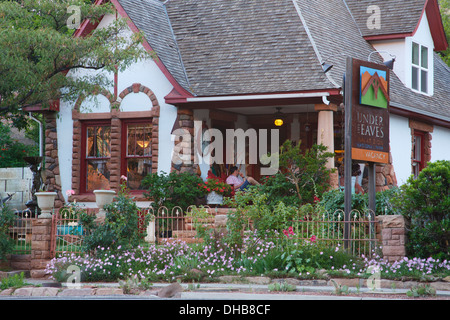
237,65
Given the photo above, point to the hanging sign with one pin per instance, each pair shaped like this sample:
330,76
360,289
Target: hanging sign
370,112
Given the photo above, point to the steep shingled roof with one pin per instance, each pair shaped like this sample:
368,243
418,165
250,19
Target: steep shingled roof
238,47
347,40
268,46
396,16
151,18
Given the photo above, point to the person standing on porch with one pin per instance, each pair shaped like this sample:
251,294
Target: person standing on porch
237,180
356,172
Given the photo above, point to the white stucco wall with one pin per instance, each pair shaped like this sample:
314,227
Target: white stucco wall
440,144
400,140
145,72
402,50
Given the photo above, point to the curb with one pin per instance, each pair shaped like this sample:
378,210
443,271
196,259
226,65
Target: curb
204,291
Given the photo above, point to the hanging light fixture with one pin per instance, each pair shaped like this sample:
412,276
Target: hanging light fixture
279,118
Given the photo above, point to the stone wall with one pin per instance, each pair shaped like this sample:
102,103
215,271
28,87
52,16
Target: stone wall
16,181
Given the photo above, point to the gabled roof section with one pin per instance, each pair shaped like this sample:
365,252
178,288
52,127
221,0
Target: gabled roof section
237,47
336,35
397,19
437,106
150,17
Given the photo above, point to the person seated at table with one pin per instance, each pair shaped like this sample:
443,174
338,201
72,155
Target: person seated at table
237,180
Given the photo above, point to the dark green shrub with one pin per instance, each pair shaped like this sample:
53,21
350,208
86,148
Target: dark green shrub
7,218
425,202
173,189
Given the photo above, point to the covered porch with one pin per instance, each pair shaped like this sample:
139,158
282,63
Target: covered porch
307,118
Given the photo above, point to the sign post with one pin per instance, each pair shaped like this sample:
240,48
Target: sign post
366,125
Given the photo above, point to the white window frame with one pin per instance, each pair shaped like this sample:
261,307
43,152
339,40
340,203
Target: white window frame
421,67
410,65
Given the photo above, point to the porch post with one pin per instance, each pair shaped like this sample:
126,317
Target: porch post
325,128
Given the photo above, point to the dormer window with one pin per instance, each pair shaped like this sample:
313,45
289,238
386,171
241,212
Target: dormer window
419,71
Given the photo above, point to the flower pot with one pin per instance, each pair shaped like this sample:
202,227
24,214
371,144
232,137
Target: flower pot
45,202
102,198
214,198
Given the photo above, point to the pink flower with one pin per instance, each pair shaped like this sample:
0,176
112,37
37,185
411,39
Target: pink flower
124,178
313,239
291,230
70,192
286,233
316,199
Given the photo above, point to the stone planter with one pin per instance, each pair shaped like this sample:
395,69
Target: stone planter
102,198
214,198
45,202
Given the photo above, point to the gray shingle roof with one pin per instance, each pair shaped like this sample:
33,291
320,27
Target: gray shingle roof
151,18
396,16
238,47
231,47
336,35
438,104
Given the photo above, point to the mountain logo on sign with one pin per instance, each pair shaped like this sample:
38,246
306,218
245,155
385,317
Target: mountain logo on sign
374,88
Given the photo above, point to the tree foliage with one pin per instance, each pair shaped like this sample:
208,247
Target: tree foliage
12,151
38,48
445,14
425,202
302,175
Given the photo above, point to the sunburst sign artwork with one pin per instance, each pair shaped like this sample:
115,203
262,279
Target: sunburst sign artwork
373,88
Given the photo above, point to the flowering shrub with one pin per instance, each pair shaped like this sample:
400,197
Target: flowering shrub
257,256
173,189
122,226
215,185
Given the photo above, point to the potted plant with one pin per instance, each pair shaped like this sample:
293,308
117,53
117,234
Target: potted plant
215,190
45,201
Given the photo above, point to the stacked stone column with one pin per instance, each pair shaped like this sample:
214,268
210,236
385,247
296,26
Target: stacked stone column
52,176
185,125
392,234
40,246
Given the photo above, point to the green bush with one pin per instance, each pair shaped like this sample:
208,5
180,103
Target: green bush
302,176
173,189
425,202
121,228
15,281
333,200
7,218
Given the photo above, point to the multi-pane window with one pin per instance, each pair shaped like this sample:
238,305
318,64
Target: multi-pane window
137,153
134,160
419,75
418,161
97,156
